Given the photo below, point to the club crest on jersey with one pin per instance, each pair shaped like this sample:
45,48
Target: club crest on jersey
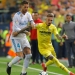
16,22
27,17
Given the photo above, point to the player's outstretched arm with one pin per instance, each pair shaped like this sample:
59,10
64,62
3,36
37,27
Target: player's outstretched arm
59,37
27,32
21,31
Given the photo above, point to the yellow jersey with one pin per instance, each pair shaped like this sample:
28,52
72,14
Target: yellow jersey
44,33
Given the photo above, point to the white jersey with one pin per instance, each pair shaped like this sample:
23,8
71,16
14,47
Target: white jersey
20,21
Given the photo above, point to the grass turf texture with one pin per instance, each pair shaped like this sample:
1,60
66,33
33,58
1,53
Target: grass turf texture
32,70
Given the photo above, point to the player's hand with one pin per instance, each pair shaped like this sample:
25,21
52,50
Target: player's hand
15,34
65,36
61,43
27,33
74,42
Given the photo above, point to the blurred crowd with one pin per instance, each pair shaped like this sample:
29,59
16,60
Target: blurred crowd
59,7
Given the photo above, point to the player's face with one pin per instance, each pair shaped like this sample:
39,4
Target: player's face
25,8
68,18
49,20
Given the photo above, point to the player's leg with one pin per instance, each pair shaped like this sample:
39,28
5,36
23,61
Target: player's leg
60,65
17,47
46,53
49,62
53,59
44,65
27,52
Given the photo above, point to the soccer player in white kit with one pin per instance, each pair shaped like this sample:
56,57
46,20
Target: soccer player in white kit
18,38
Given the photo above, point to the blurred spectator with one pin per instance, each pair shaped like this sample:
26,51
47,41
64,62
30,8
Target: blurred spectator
73,14
54,42
44,15
11,23
34,43
61,45
52,8
5,33
7,43
69,30
12,9
68,5
1,44
58,17
1,12
55,2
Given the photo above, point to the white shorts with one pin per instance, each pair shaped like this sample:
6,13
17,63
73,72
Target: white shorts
19,44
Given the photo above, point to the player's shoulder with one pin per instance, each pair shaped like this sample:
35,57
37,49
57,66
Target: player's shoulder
73,22
18,13
41,24
28,13
52,25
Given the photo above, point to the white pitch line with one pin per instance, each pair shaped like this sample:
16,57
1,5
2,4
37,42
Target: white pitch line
33,68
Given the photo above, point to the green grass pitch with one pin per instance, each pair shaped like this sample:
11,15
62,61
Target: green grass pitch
32,69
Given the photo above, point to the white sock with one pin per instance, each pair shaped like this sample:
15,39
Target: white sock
23,70
26,62
69,72
14,60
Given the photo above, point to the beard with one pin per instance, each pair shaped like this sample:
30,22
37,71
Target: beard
49,24
24,11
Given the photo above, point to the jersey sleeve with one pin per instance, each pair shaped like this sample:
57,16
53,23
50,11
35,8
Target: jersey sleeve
55,32
15,23
30,19
38,25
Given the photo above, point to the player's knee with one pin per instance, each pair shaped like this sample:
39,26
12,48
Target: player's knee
27,50
20,54
20,58
28,56
50,57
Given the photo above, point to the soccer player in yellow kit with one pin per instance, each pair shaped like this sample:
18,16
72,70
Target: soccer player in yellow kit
45,31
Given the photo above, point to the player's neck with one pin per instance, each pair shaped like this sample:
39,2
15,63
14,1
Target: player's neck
48,24
23,12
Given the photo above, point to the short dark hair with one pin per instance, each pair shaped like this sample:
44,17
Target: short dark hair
50,15
0,1
69,15
35,12
24,2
